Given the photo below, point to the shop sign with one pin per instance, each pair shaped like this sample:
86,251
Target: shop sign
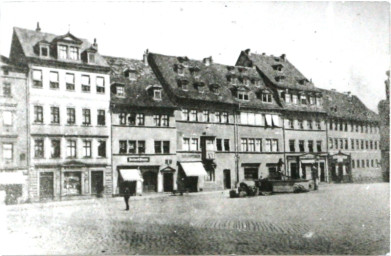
198,156
308,156
138,159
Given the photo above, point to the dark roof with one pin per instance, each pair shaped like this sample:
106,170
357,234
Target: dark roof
341,105
29,39
213,74
136,92
5,62
292,76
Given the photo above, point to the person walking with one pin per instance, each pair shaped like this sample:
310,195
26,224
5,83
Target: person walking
314,174
126,197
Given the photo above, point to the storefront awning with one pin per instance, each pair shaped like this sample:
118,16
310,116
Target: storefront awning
131,175
193,169
9,178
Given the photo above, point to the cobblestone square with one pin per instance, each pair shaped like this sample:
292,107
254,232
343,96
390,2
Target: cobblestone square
337,219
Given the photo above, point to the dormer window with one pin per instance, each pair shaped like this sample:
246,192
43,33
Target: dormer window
214,88
44,51
73,53
242,95
312,100
195,72
182,83
246,81
91,57
303,81
179,69
257,83
303,100
63,52
279,78
234,80
130,74
120,90
157,94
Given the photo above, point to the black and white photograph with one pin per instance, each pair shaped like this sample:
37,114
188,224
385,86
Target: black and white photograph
194,128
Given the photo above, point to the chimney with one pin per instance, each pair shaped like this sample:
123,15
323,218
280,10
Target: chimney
207,61
38,29
145,57
283,56
95,44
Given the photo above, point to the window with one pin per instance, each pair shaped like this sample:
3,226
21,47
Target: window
352,143
287,98
258,145
185,114
205,116
186,144
363,163
312,100
367,163
8,151
331,125
140,119
341,126
132,119
123,145
158,147
165,120
234,80
319,146
290,123
132,146
85,83
311,146
357,144
274,145
86,117
166,147
294,98
100,84
120,90
217,117
376,145
300,124
157,94
122,118
292,145
71,119
156,120
87,148
71,148
44,51
7,89
309,124
353,163
330,143
162,147
345,126
194,144
357,126
251,173
318,125
37,78
55,114
251,145
38,114
72,183
102,148
38,148
62,51
53,80
70,81
244,145
91,57
219,145
352,127
372,163
268,145
301,145
341,143
226,144
266,97
243,96
362,144
358,163
73,53
366,145
336,143
346,144
101,117
193,116
303,100
7,118
141,147
224,117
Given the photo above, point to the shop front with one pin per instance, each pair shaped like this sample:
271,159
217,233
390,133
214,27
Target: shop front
192,175
340,168
301,166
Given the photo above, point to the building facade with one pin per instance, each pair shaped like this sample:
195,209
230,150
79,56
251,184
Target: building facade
13,130
68,120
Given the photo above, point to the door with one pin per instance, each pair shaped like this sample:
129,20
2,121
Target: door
340,172
96,182
227,179
322,174
168,182
192,184
150,181
294,171
46,190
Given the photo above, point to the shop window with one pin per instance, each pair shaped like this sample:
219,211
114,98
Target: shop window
273,173
55,148
251,173
72,183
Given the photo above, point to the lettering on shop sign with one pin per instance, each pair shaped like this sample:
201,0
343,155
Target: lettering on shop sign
191,155
138,159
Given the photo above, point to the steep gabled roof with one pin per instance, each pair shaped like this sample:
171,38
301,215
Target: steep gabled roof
137,92
340,105
292,77
29,38
210,75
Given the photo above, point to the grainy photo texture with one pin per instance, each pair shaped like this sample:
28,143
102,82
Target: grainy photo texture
184,128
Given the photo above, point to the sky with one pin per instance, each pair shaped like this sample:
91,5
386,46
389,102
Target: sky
340,45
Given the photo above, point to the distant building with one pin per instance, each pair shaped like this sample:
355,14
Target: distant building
384,113
13,131
68,120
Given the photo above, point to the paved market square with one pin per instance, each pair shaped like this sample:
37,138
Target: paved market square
337,219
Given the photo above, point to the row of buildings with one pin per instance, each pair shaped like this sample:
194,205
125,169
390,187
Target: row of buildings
76,123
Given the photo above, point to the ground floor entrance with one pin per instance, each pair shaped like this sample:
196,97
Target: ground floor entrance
97,184
168,182
340,169
227,179
46,185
